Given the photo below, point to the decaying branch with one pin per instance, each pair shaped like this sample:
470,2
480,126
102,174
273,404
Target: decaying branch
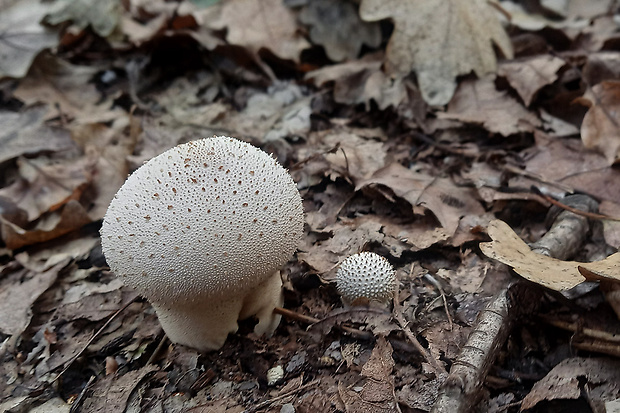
462,389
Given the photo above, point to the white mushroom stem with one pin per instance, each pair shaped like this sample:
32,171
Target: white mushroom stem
205,325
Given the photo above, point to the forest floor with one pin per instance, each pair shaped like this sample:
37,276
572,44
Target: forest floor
424,131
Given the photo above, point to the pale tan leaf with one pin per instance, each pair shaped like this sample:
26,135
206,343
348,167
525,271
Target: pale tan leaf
439,41
558,275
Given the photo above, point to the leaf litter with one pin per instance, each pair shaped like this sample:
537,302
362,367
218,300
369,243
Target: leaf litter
410,140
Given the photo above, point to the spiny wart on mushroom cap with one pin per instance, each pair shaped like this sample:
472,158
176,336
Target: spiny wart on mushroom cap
366,277
202,230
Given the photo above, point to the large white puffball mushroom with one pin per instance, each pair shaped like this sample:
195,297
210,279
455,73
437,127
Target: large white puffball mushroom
201,231
366,277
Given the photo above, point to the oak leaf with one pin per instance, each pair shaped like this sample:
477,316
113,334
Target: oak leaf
552,273
439,41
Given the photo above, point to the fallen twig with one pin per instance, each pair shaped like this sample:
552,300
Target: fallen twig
461,390
354,332
403,324
282,396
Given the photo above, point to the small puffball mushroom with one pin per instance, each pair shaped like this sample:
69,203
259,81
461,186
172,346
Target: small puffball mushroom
366,277
202,231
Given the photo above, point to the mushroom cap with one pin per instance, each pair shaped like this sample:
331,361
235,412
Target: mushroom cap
366,276
203,219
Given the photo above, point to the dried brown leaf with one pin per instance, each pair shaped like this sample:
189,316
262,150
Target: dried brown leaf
18,292
108,148
377,394
111,393
67,88
566,381
611,229
348,238
357,159
22,37
439,41
265,24
362,81
528,76
45,184
479,102
564,164
25,133
439,195
53,225
600,129
335,25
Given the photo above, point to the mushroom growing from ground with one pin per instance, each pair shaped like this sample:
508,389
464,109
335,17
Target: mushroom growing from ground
366,277
202,231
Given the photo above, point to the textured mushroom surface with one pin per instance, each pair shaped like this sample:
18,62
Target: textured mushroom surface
205,222
366,277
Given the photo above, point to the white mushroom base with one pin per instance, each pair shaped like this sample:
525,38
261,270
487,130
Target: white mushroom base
205,325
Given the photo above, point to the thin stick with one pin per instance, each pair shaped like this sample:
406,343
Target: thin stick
157,349
591,215
354,332
282,396
364,335
588,332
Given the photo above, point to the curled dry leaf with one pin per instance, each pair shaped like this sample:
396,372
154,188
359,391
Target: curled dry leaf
22,37
439,195
439,41
337,27
45,184
53,225
102,15
25,133
479,102
267,24
558,275
600,129
566,381
378,390
361,81
19,291
528,76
